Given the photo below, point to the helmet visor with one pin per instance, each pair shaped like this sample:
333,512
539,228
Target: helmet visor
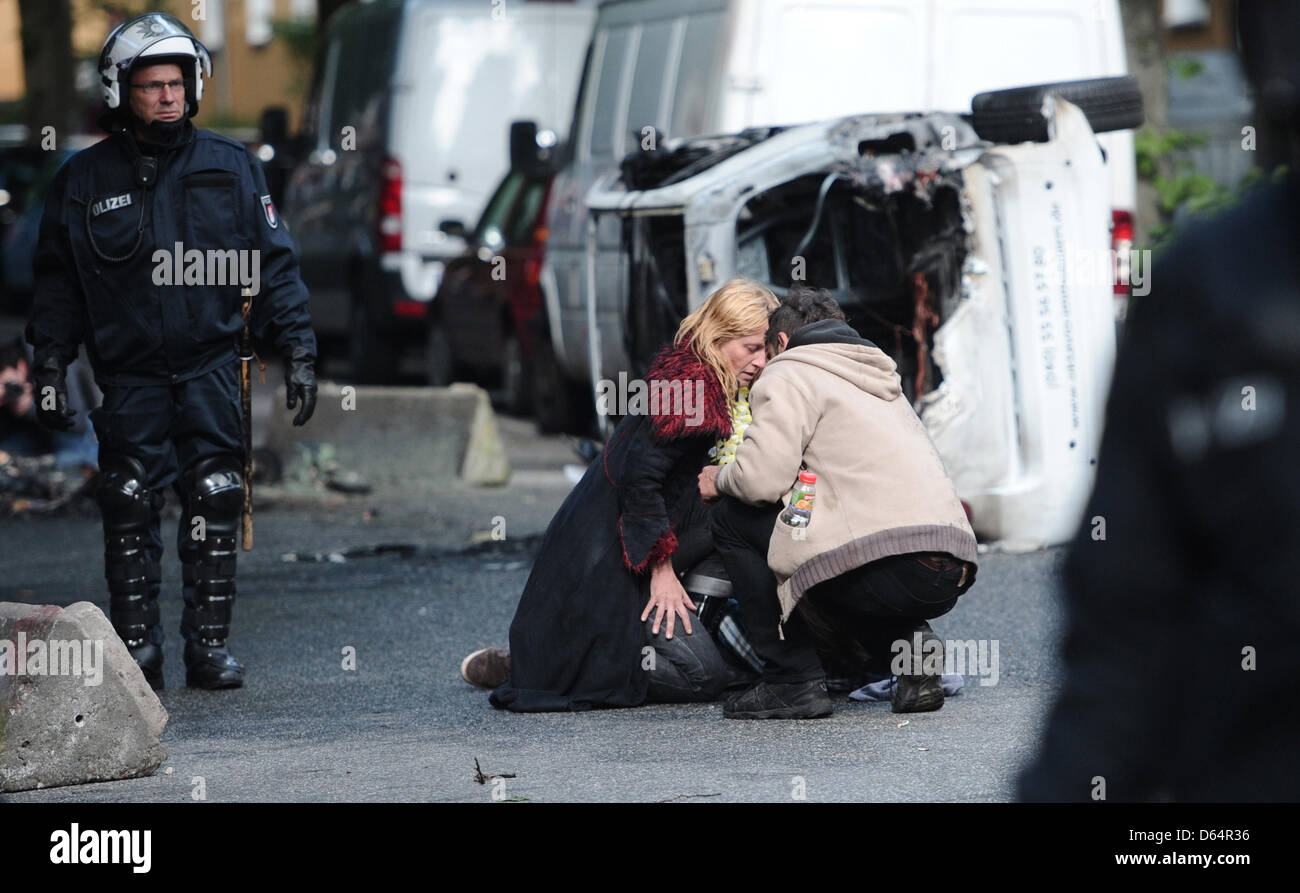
139,36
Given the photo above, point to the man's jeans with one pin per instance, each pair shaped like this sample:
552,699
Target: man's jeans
695,667
688,668
876,604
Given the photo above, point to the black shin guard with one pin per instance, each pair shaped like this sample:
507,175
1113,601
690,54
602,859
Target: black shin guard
134,580
216,499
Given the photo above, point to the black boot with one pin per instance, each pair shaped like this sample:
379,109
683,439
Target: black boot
771,700
920,692
217,497
208,663
134,579
144,642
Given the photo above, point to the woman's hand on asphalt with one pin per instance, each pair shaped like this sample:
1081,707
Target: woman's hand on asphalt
667,597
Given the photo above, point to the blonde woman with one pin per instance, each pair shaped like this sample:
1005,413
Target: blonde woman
605,584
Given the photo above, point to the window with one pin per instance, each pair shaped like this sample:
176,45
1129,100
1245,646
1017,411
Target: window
772,228
696,74
524,221
491,226
363,64
604,140
645,100
327,90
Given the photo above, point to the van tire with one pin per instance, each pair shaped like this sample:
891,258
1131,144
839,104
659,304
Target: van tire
372,356
438,367
554,396
1015,115
516,396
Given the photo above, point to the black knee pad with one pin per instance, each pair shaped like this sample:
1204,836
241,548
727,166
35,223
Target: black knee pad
217,492
124,500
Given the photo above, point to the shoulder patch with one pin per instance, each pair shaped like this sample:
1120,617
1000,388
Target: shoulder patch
268,208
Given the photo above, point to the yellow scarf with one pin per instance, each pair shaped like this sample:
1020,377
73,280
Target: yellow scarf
725,450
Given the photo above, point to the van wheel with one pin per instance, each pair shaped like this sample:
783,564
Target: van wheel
372,356
515,392
555,400
438,368
1016,115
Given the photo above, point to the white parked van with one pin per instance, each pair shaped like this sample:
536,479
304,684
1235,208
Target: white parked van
405,136
660,69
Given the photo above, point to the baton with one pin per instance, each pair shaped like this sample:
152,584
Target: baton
246,403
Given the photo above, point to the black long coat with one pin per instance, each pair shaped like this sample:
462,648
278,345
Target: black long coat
576,638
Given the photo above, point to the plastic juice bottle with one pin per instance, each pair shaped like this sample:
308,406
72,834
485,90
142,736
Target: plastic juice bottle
799,511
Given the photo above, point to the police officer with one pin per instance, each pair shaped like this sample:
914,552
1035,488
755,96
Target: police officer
148,238
1181,651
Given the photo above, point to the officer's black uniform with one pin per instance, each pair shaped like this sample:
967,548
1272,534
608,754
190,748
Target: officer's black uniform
165,356
1181,654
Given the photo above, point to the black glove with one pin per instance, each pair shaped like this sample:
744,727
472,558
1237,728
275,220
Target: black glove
50,390
300,384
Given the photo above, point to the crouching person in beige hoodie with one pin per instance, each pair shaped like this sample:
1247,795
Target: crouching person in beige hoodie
887,547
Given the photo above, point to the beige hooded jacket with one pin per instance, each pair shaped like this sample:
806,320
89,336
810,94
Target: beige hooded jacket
838,409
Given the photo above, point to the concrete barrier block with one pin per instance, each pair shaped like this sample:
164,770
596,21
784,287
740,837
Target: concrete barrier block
485,455
74,706
397,437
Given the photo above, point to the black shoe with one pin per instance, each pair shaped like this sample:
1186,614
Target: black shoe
767,700
211,667
149,657
917,694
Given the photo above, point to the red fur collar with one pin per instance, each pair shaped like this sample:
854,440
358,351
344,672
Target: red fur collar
688,415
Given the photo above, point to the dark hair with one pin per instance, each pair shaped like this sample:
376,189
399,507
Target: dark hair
801,306
11,352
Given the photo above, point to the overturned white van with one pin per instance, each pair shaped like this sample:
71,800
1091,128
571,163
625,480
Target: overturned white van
979,267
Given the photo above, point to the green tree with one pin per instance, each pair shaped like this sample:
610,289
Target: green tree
1163,163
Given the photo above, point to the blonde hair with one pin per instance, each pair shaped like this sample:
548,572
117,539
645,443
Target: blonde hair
738,308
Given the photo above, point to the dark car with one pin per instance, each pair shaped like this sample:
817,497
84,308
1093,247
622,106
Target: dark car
25,175
487,321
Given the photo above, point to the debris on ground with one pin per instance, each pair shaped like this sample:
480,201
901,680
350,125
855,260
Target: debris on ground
687,797
482,778
340,556
36,485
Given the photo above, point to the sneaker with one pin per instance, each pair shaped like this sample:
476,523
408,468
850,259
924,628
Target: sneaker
767,700
486,668
917,694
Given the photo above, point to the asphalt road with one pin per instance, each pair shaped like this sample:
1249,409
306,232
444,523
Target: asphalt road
403,726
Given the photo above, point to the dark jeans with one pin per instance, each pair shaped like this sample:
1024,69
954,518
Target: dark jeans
688,668
693,667
876,604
